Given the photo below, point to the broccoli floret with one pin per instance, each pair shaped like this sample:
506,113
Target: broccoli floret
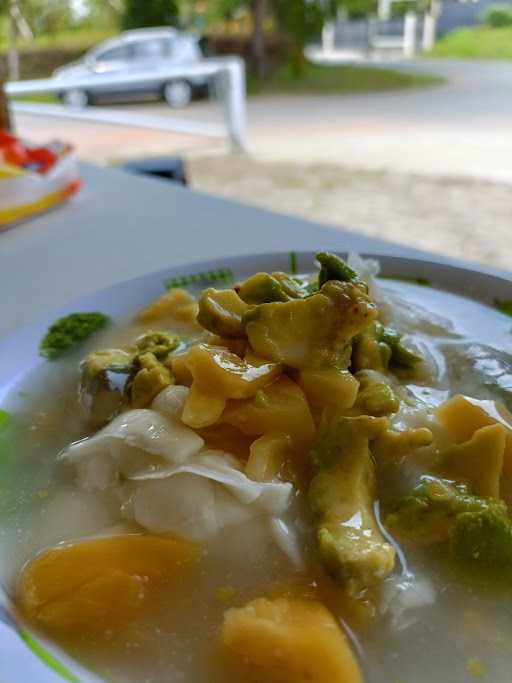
341,494
477,532
333,268
401,357
482,541
68,332
431,513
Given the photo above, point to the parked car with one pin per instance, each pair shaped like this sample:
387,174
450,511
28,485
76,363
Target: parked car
148,50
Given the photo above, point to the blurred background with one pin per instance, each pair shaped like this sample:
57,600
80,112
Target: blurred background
389,117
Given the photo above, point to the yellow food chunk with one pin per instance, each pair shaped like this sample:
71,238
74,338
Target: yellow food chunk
279,407
329,387
236,345
221,312
180,370
474,667
313,332
268,455
216,369
462,416
395,445
176,304
203,407
288,641
92,586
149,381
478,461
342,494
218,374
224,437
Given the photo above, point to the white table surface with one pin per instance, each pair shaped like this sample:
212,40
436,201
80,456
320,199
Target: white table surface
120,226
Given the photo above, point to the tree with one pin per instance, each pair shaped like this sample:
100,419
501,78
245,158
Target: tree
146,13
258,43
5,119
302,20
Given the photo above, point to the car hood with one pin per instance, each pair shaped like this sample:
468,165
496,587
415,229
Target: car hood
73,70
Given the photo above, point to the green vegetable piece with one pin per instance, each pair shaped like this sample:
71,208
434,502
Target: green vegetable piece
261,288
429,514
221,312
401,357
69,332
342,494
504,305
333,268
482,541
293,287
160,344
375,396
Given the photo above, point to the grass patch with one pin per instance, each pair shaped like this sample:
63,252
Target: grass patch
481,42
339,79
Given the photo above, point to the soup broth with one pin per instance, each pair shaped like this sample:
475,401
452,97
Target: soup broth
424,620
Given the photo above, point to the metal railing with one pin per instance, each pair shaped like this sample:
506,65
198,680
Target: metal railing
227,74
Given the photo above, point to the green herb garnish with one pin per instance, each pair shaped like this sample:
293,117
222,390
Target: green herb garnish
293,263
69,332
223,275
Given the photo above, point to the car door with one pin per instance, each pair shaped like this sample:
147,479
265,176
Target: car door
113,60
148,57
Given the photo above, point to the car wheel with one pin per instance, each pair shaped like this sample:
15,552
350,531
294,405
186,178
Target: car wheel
177,94
75,98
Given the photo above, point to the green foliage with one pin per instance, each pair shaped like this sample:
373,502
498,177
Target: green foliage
497,16
301,21
481,42
45,16
68,332
137,14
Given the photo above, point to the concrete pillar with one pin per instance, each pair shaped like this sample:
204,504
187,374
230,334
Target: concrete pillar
409,45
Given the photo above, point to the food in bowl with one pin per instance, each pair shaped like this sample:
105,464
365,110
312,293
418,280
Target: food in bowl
282,480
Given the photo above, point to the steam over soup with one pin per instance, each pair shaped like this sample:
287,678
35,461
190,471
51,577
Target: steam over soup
295,479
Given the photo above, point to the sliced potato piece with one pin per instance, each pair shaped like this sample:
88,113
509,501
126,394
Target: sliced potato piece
91,586
288,640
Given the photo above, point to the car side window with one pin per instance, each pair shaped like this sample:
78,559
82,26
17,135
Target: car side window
114,54
148,49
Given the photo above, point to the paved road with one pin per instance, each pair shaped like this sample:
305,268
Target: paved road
461,128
